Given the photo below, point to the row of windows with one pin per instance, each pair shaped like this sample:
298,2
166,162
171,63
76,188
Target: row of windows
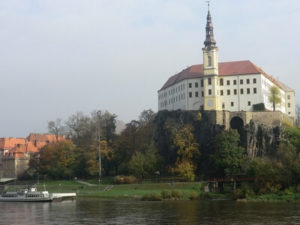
172,91
172,100
232,104
196,84
241,91
235,81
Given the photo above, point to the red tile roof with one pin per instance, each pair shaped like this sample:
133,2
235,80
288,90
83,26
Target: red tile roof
225,69
44,138
9,143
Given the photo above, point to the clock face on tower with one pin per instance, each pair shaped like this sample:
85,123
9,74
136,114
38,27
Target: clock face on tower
210,103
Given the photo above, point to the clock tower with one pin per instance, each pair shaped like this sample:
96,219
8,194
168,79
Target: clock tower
210,68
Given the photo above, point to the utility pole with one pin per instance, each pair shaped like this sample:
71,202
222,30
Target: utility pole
99,144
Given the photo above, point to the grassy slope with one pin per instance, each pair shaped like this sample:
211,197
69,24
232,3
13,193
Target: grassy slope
120,191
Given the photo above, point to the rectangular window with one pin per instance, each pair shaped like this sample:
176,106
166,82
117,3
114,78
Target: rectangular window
201,83
232,104
254,80
249,103
234,82
223,105
248,90
235,92
196,94
209,81
222,92
254,90
248,81
228,82
289,105
221,82
190,94
241,91
228,92
209,91
190,85
202,93
288,97
196,84
241,81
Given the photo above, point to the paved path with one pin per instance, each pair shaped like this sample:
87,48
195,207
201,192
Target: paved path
85,183
107,188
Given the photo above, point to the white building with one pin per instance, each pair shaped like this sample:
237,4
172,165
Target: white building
232,86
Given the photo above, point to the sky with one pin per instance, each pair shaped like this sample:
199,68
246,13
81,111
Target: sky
59,57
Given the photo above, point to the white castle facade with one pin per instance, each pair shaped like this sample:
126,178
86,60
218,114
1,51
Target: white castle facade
231,86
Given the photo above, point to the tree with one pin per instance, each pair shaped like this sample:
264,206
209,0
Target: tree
187,153
298,114
274,97
56,127
57,160
145,164
229,155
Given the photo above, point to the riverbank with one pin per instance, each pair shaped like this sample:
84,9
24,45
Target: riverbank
152,191
135,191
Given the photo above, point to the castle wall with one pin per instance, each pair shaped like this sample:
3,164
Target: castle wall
269,119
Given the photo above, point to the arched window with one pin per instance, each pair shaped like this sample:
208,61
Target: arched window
209,61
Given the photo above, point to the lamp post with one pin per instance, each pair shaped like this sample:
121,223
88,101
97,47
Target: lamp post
99,144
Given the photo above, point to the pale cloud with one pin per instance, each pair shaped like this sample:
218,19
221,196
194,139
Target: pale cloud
62,56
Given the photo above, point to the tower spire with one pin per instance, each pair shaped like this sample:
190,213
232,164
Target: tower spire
209,41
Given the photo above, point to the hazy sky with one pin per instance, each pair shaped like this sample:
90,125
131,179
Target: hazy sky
58,57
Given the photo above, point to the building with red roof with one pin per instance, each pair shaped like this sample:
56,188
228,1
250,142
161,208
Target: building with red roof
15,153
230,86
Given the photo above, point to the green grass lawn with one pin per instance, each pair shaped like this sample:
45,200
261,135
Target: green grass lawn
121,190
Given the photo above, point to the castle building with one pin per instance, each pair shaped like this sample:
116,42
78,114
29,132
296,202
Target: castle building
231,86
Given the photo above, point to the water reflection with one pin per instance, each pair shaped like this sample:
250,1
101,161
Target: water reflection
95,211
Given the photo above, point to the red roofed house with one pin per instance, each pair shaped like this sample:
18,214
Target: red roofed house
17,152
231,86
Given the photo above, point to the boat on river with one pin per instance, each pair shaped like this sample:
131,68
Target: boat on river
26,195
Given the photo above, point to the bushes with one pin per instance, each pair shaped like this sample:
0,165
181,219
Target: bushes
151,197
193,195
164,195
125,180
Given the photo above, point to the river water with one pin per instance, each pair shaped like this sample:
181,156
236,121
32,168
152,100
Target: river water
97,211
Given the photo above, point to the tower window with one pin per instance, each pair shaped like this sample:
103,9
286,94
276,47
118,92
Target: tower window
223,105
288,97
241,81
209,61
209,81
248,90
289,105
228,82
209,92
221,82
190,94
254,90
235,92
222,92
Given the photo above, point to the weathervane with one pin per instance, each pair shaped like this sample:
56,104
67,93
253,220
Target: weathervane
208,4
